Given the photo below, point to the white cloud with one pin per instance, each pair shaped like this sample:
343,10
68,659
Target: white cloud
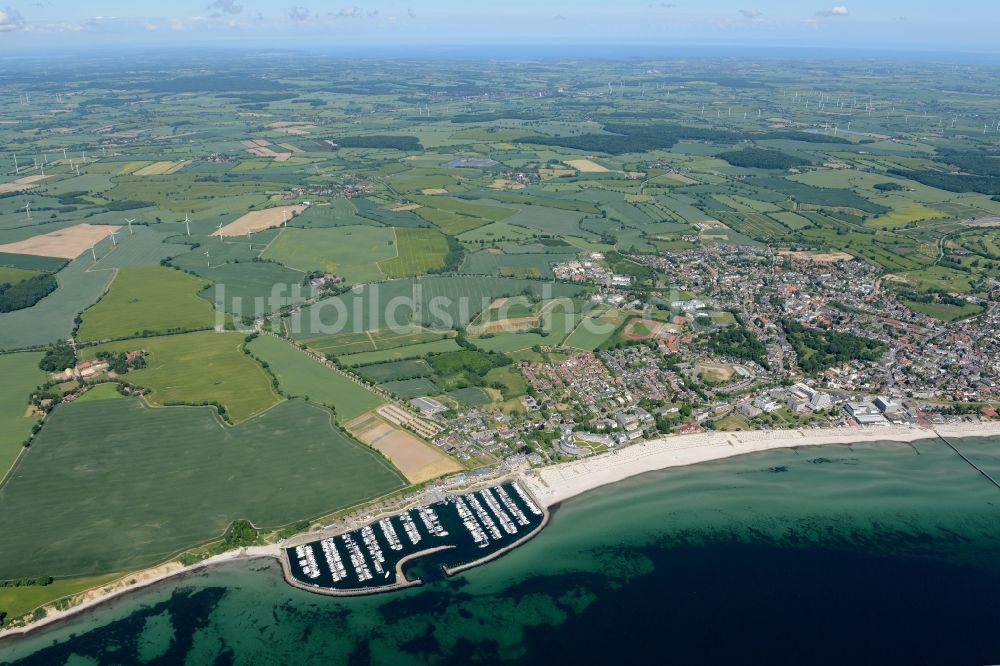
839,10
752,14
349,12
10,20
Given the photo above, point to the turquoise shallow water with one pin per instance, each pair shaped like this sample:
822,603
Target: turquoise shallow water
874,553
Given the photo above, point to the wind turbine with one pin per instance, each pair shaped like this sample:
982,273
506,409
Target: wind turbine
17,169
187,224
77,167
219,232
114,238
284,214
209,258
27,209
43,169
64,154
249,240
129,223
93,252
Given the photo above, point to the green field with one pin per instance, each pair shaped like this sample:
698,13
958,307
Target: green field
411,351
418,251
511,342
51,318
411,388
470,397
105,391
395,370
379,339
144,247
20,375
199,367
302,376
14,275
352,252
113,485
443,302
16,601
148,298
592,332
944,311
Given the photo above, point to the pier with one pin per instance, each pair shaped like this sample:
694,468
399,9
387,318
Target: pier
966,459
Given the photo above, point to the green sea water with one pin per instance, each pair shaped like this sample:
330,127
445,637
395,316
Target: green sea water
873,553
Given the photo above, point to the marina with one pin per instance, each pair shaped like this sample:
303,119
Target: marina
462,531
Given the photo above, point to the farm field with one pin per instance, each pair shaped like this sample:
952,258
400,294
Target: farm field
195,368
374,340
149,298
395,370
20,375
418,252
259,220
301,375
397,353
456,301
352,252
51,318
67,243
167,479
15,275
411,388
418,460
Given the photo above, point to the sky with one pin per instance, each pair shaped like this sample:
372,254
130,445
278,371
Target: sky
915,25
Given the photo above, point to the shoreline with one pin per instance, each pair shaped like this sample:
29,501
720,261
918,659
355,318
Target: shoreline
552,485
557,483
55,615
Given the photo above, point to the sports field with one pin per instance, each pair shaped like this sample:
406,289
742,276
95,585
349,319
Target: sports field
113,485
20,375
148,298
300,375
352,252
196,367
418,251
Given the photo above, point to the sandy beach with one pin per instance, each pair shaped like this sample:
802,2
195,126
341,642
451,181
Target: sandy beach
554,484
136,581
